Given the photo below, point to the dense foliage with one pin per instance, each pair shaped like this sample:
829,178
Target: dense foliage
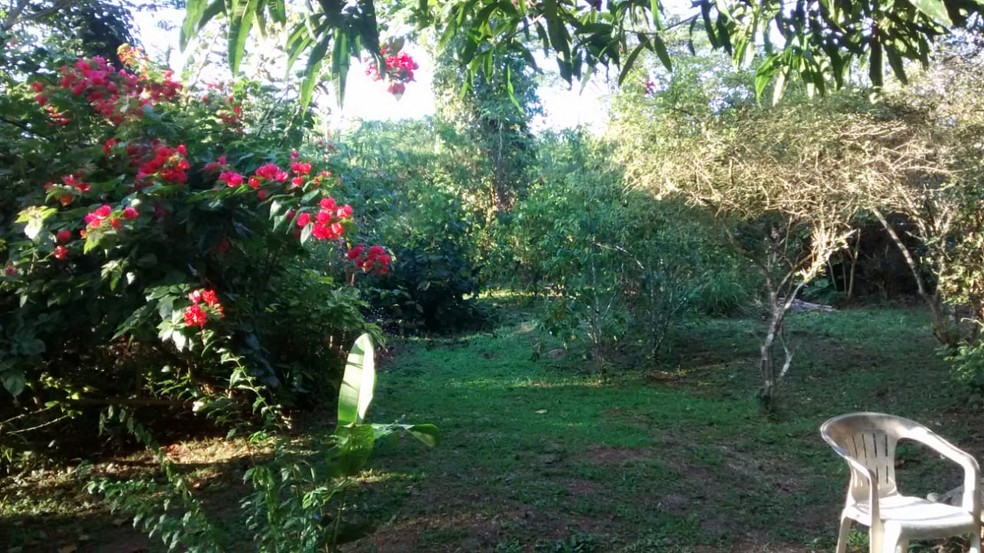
153,249
821,42
419,196
622,268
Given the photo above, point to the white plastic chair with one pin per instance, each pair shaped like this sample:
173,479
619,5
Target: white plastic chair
867,442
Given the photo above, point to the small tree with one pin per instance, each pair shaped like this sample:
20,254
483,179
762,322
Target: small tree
942,209
783,183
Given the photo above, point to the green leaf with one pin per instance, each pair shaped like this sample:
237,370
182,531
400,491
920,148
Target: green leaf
194,10
629,61
355,445
355,393
13,381
898,66
313,71
876,67
34,218
279,11
654,7
935,9
659,47
426,433
239,27
764,74
179,339
559,39
306,233
780,87
340,62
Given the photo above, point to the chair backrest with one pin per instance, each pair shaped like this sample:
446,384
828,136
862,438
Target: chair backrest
870,438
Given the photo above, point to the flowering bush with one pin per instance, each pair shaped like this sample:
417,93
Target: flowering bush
160,246
398,71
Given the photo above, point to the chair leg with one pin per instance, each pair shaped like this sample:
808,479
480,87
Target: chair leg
975,542
845,529
876,537
890,540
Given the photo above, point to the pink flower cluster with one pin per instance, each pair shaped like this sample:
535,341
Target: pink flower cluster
72,186
328,222
375,259
168,163
115,95
63,236
268,173
104,215
204,302
399,71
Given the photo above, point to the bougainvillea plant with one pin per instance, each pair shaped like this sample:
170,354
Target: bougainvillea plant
162,245
398,71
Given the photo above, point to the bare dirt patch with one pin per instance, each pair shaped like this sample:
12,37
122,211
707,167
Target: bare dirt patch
605,455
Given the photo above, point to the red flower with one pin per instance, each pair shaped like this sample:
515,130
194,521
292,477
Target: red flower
303,219
10,270
376,260
300,167
326,232
328,203
108,146
209,297
330,232
254,182
231,178
64,236
76,183
344,212
130,213
270,171
356,251
194,315
261,194
96,218
297,181
215,165
61,252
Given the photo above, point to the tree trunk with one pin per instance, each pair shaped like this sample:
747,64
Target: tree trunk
943,327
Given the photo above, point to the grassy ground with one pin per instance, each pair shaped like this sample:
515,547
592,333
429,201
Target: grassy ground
550,456
545,456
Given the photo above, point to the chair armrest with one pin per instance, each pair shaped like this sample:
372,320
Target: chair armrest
972,471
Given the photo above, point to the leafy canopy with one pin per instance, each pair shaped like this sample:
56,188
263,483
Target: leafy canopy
817,40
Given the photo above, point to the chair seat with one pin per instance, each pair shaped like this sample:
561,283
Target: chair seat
916,516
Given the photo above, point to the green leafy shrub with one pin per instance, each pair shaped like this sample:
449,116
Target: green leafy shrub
418,206
297,498
613,266
147,266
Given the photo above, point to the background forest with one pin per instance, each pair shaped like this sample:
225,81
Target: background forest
603,326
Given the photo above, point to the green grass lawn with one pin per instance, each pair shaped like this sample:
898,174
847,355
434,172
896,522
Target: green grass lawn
548,455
